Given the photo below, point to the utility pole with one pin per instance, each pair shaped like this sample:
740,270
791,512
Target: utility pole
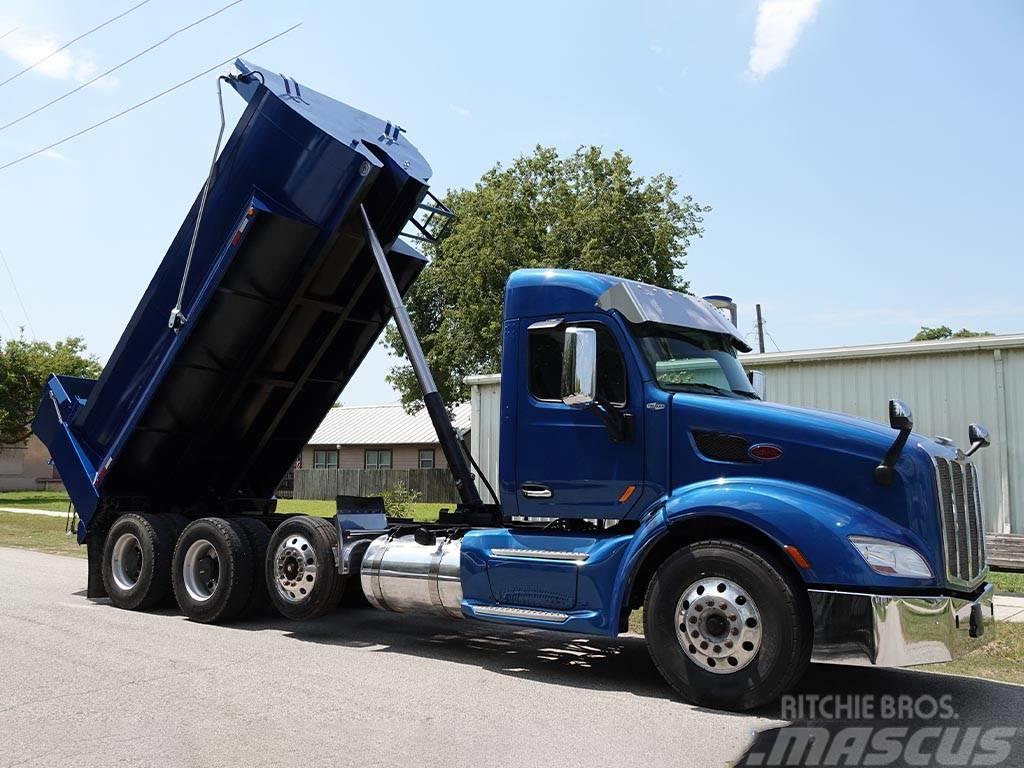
760,330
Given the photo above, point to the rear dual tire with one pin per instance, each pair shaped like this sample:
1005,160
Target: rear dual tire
136,563
301,574
216,571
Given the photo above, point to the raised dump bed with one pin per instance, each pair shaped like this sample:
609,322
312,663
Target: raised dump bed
282,300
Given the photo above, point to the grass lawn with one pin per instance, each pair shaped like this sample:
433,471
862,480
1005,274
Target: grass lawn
1002,659
54,501
39,532
421,511
1007,582
57,501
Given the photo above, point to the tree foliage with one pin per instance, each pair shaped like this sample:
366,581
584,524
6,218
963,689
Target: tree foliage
24,368
587,211
945,332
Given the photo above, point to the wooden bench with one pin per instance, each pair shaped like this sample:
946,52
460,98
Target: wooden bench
1005,551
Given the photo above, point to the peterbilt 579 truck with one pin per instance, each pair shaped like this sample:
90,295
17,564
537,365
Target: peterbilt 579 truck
638,467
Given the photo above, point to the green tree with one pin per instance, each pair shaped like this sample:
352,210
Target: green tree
945,332
24,368
587,211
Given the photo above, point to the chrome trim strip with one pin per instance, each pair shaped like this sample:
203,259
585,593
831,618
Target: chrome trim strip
541,554
897,630
507,611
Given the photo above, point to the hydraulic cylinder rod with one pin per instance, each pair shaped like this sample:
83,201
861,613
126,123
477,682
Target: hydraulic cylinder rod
431,397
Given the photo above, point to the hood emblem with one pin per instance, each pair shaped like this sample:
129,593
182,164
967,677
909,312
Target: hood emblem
764,452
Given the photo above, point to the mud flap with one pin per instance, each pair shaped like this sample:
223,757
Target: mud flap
94,546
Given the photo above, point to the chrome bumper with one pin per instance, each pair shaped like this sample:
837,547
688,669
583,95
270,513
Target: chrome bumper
892,631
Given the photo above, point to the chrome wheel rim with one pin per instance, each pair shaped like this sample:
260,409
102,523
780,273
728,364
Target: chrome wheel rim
126,561
201,570
295,569
718,625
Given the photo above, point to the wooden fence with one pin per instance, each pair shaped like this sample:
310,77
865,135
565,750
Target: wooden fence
433,485
1005,551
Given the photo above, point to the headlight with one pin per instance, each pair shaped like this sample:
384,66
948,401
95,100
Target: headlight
891,559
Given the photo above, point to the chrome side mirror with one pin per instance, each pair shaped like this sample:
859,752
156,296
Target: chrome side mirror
579,367
900,416
978,435
758,380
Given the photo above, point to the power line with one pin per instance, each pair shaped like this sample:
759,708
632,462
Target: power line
53,53
9,32
138,55
144,102
18,294
9,328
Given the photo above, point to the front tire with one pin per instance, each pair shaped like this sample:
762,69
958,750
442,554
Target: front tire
726,626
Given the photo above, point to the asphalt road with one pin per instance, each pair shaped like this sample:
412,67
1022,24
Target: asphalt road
82,683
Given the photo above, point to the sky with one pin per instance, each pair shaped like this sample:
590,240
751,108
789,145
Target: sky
863,160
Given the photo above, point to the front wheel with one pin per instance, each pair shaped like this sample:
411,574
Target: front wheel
726,626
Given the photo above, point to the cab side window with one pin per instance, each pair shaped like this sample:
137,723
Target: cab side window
545,361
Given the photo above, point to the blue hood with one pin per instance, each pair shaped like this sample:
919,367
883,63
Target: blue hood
831,451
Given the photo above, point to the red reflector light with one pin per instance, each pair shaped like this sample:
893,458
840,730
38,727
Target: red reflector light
765,451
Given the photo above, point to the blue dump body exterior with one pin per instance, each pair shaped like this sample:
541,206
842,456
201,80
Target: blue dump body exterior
284,298
283,302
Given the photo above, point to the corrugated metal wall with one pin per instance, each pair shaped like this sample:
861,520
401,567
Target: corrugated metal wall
485,421
947,384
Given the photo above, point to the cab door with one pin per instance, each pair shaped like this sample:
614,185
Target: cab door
567,463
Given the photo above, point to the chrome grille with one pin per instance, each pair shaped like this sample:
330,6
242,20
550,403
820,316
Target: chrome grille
963,521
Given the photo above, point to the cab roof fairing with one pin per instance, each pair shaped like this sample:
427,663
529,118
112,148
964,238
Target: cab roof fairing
641,303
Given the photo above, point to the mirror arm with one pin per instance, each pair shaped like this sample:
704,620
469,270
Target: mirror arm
884,472
615,421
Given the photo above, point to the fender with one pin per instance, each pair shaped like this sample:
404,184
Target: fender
815,521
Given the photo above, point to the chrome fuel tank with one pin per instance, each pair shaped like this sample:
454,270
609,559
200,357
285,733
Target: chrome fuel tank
398,574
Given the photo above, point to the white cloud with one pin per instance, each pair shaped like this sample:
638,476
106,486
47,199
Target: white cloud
459,110
26,49
53,154
779,26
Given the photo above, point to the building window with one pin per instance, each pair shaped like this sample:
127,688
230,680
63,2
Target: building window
378,458
325,459
426,458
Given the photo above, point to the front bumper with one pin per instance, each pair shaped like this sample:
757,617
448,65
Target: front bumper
898,631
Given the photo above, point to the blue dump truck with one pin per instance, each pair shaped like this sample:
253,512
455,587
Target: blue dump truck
638,467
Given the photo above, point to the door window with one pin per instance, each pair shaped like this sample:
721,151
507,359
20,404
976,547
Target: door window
545,362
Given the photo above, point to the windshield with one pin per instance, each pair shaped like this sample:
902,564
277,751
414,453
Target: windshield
685,360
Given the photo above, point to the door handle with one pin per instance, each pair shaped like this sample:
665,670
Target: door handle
535,491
